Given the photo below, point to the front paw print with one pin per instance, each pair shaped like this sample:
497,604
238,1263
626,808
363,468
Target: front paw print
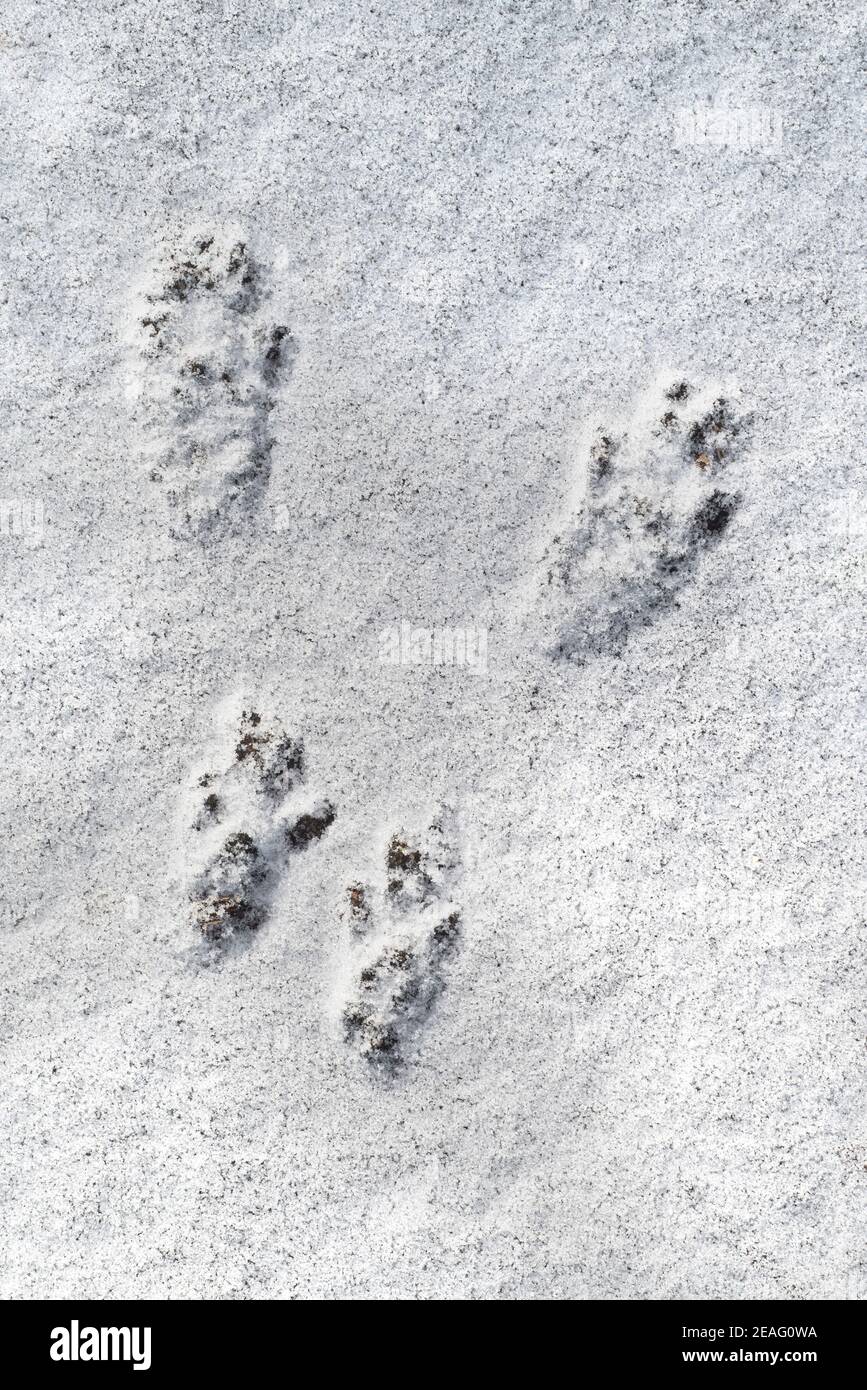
247,826
402,937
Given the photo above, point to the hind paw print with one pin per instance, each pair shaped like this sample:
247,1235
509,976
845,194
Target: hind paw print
403,932
654,500
210,364
246,826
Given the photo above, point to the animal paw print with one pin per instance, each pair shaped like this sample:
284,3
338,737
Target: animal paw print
212,365
403,933
654,500
246,825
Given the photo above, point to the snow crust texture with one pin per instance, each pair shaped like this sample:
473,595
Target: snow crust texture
433,547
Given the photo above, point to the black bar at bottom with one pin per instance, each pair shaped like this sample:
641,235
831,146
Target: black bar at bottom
159,1339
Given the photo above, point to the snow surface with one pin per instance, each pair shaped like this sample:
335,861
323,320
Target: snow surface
642,1071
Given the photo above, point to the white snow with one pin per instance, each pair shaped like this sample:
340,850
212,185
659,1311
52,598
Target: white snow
643,1076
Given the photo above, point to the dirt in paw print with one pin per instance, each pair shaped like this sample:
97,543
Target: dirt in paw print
209,361
653,499
252,814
